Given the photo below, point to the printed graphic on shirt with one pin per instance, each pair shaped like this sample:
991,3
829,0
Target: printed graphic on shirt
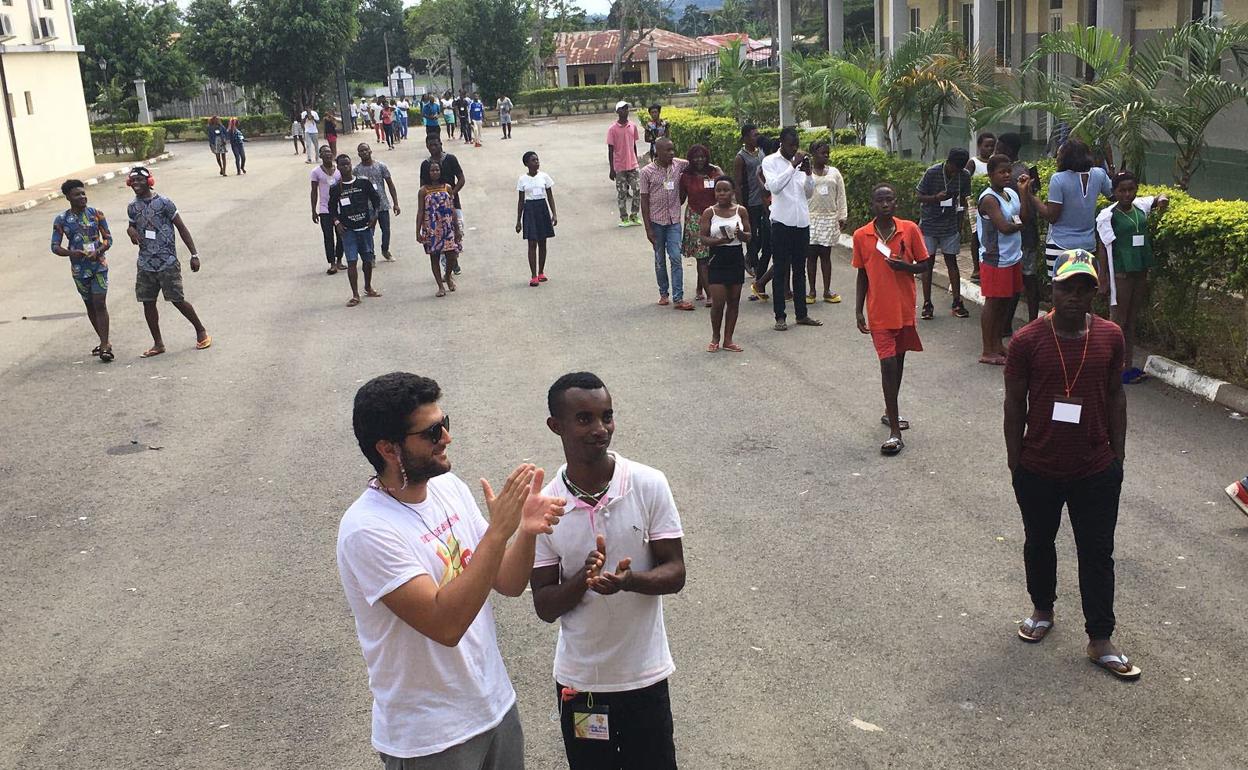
454,556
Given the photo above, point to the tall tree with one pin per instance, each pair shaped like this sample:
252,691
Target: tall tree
492,37
134,39
693,22
215,39
635,20
381,26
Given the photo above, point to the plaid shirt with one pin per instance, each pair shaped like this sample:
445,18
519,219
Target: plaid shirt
664,202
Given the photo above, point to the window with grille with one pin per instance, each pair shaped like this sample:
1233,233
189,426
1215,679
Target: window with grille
1005,33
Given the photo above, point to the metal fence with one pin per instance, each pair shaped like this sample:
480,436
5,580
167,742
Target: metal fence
214,98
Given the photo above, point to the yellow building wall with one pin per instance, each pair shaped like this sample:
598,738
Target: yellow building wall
8,172
929,11
55,139
1235,10
1160,14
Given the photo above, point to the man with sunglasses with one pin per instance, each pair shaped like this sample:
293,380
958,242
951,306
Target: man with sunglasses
417,562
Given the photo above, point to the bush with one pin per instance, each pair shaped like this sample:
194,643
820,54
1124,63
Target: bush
566,100
845,136
194,128
127,143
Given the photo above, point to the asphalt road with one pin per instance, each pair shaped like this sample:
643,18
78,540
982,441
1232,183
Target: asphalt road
174,602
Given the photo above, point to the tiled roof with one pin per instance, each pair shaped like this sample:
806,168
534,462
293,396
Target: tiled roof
755,51
598,47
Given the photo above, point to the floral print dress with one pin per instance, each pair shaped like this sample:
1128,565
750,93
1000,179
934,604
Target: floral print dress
440,220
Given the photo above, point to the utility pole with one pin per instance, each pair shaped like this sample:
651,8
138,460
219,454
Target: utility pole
784,12
385,41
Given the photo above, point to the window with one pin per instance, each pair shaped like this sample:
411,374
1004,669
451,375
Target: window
47,30
6,27
1055,5
914,20
30,104
591,79
47,5
968,26
1005,33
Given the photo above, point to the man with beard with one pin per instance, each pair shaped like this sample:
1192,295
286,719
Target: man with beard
612,660
417,562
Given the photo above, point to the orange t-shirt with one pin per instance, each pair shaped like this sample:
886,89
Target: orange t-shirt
890,293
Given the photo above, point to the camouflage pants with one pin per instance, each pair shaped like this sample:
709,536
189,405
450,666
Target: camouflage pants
628,193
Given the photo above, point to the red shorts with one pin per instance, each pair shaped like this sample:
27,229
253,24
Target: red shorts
1000,282
890,342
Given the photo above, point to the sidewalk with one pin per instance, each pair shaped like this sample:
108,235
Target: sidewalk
21,200
1173,373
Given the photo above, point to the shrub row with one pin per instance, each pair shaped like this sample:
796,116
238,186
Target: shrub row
565,100
187,128
134,143
1197,313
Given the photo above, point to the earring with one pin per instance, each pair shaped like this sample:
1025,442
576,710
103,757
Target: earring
402,472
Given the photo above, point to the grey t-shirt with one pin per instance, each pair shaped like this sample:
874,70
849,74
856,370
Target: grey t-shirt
754,188
153,218
377,173
1074,229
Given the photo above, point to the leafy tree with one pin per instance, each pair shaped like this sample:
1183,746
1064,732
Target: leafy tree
747,88
215,39
635,20
694,22
381,24
492,38
135,39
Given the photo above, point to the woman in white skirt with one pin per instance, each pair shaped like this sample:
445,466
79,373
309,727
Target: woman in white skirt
535,214
828,214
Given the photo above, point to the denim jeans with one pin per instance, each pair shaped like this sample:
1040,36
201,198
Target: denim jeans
358,244
667,237
383,221
333,244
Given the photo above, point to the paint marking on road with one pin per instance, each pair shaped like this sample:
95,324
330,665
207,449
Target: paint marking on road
866,726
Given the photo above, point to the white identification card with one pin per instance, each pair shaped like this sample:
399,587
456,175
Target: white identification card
822,189
149,234
1137,240
883,248
709,184
593,726
344,201
1016,219
1067,411
961,209
947,203
669,185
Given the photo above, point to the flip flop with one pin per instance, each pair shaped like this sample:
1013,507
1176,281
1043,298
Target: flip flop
353,302
1027,630
534,282
713,347
1133,672
371,293
893,446
331,271
664,301
992,360
441,293
832,298
902,422
1133,376
107,355
152,352
95,351
734,348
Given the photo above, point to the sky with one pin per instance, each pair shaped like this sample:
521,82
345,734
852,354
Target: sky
592,7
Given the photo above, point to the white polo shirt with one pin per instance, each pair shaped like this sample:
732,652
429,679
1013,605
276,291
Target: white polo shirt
426,697
791,190
612,643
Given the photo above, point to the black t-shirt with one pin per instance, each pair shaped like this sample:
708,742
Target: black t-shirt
461,107
451,172
350,203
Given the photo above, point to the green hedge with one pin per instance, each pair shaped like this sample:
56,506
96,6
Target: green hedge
571,99
133,143
194,128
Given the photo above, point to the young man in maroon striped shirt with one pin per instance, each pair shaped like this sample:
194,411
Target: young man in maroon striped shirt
1065,437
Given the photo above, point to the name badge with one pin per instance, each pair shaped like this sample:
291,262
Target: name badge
1067,410
822,189
1137,240
947,203
1016,219
591,724
883,248
149,234
669,185
709,184
344,201
961,209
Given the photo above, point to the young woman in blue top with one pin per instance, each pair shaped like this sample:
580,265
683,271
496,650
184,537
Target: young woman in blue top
1071,207
217,142
235,135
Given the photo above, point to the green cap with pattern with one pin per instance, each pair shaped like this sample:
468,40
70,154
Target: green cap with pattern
1074,262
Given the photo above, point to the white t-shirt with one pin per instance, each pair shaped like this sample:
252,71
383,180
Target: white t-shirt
612,643
534,188
310,119
426,697
375,109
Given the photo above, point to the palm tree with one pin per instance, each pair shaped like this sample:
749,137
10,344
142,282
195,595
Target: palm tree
746,88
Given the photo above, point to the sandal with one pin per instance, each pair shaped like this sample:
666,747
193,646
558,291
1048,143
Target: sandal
371,293
808,321
992,360
929,312
893,446
541,277
734,347
332,270
441,293
902,422
95,351
1033,631
106,354
1133,672
663,300
713,347
152,351
832,298
353,302
534,282
203,344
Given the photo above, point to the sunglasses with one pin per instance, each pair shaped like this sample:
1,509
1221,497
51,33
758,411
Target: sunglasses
433,434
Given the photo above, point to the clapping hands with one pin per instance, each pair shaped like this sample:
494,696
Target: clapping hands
606,583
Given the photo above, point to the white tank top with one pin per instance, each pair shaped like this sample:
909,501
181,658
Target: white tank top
981,166
732,223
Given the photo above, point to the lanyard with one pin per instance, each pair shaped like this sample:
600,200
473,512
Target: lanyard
1068,383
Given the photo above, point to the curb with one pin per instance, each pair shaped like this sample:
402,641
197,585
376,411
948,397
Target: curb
30,204
1174,374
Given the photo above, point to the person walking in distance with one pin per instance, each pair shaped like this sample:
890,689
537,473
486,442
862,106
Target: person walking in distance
602,574
622,165
374,111
323,177
828,213
153,220
461,110
505,106
378,174
218,142
453,175
387,123
438,228
476,113
353,205
418,562
81,233
724,227
787,174
888,253
660,205
309,120
431,113
1000,212
656,127
237,146
942,194
697,192
401,109
535,214
331,132
296,135
745,172
448,114
1065,442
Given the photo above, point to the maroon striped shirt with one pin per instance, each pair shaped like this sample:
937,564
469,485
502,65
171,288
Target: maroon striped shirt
1060,450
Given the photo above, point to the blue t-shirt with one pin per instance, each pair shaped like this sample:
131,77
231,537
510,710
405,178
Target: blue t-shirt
1075,228
476,110
86,231
430,111
153,218
995,247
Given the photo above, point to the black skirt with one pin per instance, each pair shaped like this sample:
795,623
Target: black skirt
727,265
537,224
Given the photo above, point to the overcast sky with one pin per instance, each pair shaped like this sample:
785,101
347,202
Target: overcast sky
593,7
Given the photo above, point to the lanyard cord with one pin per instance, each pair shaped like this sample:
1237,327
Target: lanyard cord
1087,336
450,527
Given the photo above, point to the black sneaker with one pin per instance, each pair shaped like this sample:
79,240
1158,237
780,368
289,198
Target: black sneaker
960,310
929,312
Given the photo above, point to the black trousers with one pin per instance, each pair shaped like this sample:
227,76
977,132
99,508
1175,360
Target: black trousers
1093,505
333,244
640,724
758,253
788,253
